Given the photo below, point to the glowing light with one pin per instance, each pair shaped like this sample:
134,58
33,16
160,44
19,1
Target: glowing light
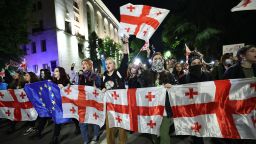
181,61
167,54
137,61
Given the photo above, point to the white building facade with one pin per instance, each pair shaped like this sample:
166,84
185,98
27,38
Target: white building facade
60,31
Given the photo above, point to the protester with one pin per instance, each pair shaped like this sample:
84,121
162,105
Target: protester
178,72
45,74
60,77
154,77
219,70
89,78
134,75
29,78
195,72
114,78
170,63
246,64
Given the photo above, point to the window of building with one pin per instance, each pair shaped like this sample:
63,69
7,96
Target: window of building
75,4
24,48
39,5
43,45
53,65
35,68
76,10
81,50
76,18
89,19
68,27
33,47
45,66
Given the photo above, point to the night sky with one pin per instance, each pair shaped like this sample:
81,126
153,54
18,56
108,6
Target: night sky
237,27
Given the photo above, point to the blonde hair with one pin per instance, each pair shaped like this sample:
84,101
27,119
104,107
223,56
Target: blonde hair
110,58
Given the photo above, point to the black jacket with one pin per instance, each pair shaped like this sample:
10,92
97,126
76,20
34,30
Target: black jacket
118,76
149,77
188,78
236,71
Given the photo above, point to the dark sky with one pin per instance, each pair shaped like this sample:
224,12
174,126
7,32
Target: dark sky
238,27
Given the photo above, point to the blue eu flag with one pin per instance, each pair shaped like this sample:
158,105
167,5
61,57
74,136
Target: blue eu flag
46,98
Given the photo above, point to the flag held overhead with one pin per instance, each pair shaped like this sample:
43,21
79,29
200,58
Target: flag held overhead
245,5
140,20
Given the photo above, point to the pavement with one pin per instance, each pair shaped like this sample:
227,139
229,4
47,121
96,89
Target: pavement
68,136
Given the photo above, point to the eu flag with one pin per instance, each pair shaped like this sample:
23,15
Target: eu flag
46,98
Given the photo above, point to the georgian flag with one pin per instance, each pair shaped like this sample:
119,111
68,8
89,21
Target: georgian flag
139,110
15,106
140,20
224,108
245,5
85,103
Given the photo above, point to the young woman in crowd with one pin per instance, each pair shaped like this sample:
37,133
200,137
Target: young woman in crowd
89,78
29,78
195,72
178,72
60,77
45,74
245,66
114,78
17,82
154,77
225,62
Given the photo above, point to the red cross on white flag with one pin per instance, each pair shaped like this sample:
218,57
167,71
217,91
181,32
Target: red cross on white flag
15,106
84,103
245,5
140,20
224,108
139,110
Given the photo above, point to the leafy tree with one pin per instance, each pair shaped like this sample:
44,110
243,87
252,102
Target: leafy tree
189,25
14,22
109,48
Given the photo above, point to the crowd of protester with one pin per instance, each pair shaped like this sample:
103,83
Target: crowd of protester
157,73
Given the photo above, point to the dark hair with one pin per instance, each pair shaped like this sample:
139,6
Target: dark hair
194,55
33,77
225,56
47,74
243,50
175,72
63,77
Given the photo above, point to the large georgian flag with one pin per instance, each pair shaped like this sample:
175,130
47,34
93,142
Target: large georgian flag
224,108
245,5
140,20
85,103
139,110
15,106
